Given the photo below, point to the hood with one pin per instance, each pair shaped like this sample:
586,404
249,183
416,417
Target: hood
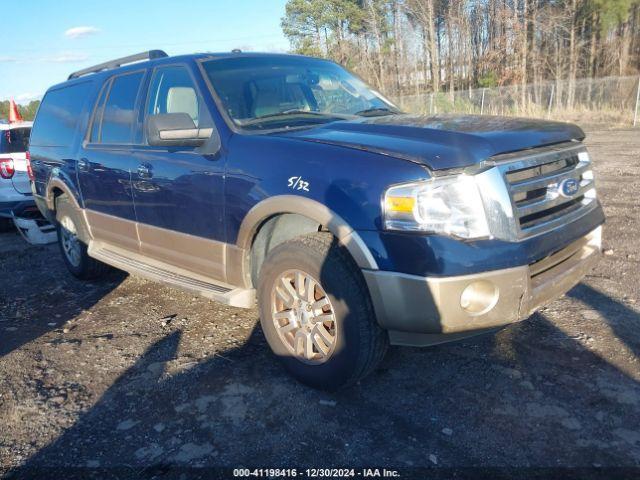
441,142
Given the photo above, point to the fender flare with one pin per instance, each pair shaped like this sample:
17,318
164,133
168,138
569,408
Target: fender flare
57,182
309,208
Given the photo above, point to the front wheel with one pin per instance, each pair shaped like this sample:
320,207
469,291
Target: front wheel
316,313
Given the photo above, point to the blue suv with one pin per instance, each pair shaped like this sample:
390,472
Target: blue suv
288,181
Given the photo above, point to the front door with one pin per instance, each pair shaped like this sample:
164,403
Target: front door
178,191
106,162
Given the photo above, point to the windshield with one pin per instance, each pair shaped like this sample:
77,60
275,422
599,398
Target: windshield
285,91
15,140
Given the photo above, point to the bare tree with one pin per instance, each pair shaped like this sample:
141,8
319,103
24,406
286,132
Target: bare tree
405,46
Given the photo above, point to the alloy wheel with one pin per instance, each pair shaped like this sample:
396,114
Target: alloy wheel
70,241
304,317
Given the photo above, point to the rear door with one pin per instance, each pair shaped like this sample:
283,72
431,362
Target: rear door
106,162
14,144
178,191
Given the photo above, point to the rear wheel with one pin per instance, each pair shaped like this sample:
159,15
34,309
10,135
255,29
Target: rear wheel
70,229
316,313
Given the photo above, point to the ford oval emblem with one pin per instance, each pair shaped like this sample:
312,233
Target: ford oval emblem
569,187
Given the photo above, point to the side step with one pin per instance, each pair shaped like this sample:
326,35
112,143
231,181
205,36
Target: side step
137,264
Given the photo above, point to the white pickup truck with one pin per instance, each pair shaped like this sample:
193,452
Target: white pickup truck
17,205
15,187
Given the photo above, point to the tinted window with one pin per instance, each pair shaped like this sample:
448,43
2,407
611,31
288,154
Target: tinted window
58,115
97,116
14,140
119,110
172,91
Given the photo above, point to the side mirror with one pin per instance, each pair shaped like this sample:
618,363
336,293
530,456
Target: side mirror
175,130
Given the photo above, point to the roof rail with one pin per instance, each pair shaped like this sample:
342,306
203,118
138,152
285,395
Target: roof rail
118,62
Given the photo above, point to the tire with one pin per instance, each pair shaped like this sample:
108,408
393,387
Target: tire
70,224
358,343
6,225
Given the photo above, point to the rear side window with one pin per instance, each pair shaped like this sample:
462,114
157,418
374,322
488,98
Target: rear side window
15,140
119,114
58,115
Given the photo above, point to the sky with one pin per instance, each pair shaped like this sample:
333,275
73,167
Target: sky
43,41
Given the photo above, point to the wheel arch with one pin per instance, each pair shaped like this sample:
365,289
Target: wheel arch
297,216
55,188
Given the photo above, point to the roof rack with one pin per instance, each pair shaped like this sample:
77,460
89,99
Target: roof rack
118,62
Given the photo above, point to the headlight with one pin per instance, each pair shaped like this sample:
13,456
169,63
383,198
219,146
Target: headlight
447,205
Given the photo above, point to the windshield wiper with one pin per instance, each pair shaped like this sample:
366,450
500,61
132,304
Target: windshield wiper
285,113
377,111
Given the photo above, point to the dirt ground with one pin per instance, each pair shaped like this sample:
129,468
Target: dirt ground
128,375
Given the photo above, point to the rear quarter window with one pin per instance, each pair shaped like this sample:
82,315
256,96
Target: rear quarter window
15,140
57,118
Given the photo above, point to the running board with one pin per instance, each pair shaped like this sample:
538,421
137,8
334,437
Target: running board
140,265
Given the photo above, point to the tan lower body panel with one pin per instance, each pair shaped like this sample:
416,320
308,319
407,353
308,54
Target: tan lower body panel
195,254
434,305
113,230
558,273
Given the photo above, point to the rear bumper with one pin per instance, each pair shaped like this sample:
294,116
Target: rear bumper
426,310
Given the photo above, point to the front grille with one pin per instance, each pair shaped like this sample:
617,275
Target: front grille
535,180
533,219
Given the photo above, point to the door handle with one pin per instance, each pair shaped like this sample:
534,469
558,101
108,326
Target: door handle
83,165
145,170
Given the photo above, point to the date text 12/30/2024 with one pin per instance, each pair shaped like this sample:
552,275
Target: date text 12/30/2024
316,472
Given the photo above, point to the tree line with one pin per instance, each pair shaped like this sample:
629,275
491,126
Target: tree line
26,111
417,46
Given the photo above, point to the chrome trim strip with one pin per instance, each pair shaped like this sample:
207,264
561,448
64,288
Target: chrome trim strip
552,199
518,161
497,203
537,156
540,182
546,226
181,134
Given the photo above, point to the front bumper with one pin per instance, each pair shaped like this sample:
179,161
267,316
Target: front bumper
426,310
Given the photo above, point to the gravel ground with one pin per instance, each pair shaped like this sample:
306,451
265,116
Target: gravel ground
128,374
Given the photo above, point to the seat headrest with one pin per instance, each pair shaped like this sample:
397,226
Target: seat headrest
183,100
